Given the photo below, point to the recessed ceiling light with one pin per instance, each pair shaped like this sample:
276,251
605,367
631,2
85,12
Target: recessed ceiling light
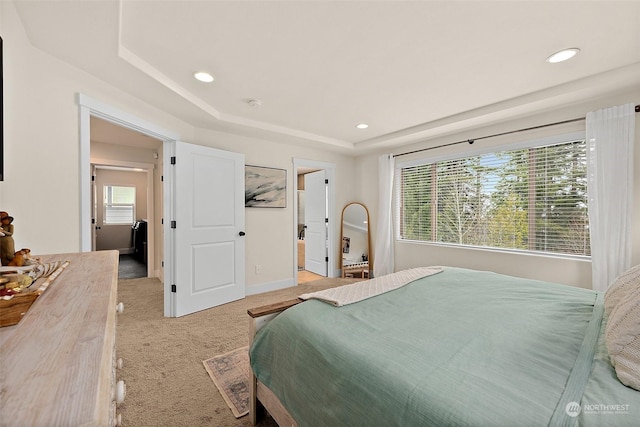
362,126
203,77
563,55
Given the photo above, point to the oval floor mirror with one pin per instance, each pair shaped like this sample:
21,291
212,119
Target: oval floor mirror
356,241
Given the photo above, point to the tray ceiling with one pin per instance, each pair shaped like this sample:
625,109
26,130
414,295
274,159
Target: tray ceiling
409,69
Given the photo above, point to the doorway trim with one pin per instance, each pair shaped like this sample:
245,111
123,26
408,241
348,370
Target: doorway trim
91,107
330,173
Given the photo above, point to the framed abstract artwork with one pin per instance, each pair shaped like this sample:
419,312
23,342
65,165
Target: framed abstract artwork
265,187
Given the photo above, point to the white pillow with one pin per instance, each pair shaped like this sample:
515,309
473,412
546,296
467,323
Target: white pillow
624,284
622,334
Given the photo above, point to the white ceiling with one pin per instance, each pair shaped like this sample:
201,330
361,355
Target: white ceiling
410,69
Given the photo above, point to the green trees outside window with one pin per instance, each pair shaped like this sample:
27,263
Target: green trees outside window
531,199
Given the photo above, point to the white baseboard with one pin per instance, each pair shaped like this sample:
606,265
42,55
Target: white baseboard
270,286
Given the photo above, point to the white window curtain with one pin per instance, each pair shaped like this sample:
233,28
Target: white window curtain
610,140
384,258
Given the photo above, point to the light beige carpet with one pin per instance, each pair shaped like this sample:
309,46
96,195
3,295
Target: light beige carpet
167,384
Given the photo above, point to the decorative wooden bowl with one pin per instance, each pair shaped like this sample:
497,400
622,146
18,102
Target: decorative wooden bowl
13,308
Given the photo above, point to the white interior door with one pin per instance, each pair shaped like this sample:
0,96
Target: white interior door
315,189
207,244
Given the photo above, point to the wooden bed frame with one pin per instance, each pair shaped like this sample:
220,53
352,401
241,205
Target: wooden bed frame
260,395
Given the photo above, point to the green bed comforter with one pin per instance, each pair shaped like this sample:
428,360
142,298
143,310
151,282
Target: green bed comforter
459,348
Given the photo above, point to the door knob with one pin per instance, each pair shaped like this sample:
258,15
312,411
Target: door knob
242,233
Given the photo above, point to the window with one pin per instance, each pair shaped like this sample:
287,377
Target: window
532,199
119,204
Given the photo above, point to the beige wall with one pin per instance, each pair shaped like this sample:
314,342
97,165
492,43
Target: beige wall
557,269
122,153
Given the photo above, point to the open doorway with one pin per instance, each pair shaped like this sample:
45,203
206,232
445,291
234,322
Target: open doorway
312,227
121,198
166,203
314,220
113,139
123,195
307,272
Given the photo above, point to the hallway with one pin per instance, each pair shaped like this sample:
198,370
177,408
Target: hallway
131,268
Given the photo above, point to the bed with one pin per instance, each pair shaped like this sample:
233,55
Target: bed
456,348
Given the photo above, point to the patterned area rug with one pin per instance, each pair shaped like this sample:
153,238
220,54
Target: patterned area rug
231,373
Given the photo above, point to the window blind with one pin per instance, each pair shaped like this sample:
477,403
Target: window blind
532,199
119,204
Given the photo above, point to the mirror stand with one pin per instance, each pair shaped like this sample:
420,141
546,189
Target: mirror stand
356,241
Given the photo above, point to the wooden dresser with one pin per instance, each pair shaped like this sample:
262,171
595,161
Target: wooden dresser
58,364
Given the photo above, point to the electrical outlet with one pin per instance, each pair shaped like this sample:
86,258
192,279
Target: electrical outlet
258,269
